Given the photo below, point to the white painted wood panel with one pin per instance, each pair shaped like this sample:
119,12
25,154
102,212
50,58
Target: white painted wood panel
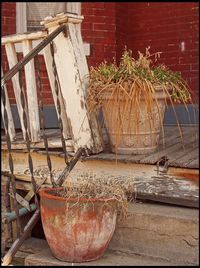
31,94
48,61
74,30
12,61
72,88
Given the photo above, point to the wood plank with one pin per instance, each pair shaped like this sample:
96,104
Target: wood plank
185,158
11,127
22,201
194,163
170,149
168,189
16,38
63,18
72,90
23,178
12,61
76,38
22,185
117,158
31,89
178,186
31,193
165,189
52,143
48,61
75,35
173,133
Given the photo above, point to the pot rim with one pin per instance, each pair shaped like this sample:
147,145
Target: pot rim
44,193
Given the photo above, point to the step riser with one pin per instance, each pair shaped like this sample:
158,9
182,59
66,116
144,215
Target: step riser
159,236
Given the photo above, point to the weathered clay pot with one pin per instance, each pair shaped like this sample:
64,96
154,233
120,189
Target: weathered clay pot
131,129
77,230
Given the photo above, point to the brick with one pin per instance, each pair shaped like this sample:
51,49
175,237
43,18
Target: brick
99,26
108,27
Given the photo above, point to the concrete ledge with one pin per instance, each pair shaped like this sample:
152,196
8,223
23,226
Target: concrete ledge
110,258
152,234
162,231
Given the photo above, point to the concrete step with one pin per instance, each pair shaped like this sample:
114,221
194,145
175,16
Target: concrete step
152,234
110,258
162,231
36,252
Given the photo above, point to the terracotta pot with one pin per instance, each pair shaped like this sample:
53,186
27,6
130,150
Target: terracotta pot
77,230
137,132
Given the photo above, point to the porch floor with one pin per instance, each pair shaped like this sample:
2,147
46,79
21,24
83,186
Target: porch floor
179,185
182,151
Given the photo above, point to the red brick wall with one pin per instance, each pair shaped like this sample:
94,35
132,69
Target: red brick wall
99,29
8,26
8,19
122,29
108,27
163,26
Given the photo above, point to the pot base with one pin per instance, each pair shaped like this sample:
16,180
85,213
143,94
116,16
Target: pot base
76,260
133,151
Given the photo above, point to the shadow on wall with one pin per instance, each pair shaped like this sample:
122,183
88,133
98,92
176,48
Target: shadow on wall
185,117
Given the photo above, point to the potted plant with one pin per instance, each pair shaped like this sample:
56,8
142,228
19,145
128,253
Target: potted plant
133,96
79,218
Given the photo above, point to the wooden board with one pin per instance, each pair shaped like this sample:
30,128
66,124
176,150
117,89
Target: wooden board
48,62
32,100
179,156
179,186
167,189
76,39
12,61
54,141
71,85
180,153
186,157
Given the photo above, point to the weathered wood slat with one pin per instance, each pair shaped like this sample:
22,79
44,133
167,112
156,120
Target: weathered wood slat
48,62
170,149
54,141
11,127
122,158
194,163
76,39
32,99
31,193
75,35
185,158
72,89
178,186
173,133
12,61
16,38
167,189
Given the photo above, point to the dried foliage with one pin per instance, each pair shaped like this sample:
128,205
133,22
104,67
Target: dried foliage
133,81
139,74
88,188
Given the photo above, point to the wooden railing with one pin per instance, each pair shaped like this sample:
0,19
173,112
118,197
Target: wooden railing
26,40
72,73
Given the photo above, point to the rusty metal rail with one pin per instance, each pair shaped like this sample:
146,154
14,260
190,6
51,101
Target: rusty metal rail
18,68
31,223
